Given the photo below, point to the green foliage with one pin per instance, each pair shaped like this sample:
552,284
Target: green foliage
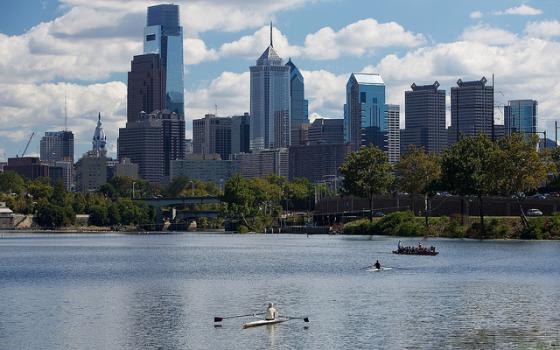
98,215
401,223
366,174
49,216
40,189
417,171
11,182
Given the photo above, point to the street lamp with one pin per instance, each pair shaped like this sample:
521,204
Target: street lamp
192,188
133,188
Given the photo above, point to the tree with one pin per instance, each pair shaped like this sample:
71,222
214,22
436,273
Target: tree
468,169
417,171
367,173
11,182
519,168
40,189
98,215
48,215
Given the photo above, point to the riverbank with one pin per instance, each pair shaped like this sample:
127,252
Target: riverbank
405,224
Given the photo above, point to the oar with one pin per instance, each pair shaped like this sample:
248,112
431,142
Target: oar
305,319
220,319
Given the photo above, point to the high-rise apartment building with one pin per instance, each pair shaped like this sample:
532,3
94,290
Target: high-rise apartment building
241,133
146,86
163,35
520,116
364,111
299,113
472,110
326,131
57,146
425,118
393,133
270,101
212,135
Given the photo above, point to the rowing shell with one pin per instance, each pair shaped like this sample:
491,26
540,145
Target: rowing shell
264,322
373,269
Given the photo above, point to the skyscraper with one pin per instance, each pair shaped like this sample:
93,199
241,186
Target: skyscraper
425,118
270,101
153,141
212,135
240,133
393,133
57,146
164,35
472,110
520,116
326,131
364,111
146,86
298,104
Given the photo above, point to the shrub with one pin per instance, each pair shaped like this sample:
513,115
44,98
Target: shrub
401,223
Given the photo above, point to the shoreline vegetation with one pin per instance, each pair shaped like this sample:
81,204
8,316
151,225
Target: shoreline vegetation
476,167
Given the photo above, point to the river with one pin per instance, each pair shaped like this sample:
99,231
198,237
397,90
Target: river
114,291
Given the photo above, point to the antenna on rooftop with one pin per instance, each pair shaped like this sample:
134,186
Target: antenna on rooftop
216,110
271,34
65,111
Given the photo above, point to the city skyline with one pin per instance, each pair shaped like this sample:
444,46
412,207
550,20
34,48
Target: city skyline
518,41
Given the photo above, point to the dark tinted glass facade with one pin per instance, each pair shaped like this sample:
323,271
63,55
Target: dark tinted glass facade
146,86
520,116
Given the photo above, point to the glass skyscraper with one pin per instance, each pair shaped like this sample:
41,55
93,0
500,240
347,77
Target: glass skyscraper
520,116
299,105
365,121
164,35
270,101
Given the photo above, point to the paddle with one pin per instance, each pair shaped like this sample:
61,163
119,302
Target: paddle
220,319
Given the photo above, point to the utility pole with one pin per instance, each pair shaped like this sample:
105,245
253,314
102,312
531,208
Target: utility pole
556,133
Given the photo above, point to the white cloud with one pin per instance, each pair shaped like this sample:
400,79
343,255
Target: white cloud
488,35
521,10
325,92
251,46
358,38
19,117
475,15
195,51
543,29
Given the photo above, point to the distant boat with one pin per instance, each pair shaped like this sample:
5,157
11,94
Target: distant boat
419,250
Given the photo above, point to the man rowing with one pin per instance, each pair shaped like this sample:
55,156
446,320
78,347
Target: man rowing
271,312
377,265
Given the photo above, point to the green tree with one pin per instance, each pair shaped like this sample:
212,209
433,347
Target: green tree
11,182
98,215
114,215
40,189
417,171
468,169
48,215
519,168
367,173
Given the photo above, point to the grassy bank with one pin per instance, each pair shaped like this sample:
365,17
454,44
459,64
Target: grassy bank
407,225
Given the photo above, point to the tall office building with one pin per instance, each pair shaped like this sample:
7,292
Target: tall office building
472,110
240,133
57,146
393,133
364,111
520,116
270,101
163,35
425,118
326,131
299,113
152,142
212,135
146,86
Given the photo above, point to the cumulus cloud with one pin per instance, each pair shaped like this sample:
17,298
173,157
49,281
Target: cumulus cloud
251,46
358,38
543,29
475,15
325,92
488,35
19,117
196,51
521,10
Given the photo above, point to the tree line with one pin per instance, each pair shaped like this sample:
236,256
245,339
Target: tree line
474,166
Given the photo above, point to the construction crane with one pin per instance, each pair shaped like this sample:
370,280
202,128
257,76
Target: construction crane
28,142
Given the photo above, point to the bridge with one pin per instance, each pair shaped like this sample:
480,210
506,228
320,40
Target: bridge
160,203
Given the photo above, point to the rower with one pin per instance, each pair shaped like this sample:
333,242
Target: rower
377,265
271,312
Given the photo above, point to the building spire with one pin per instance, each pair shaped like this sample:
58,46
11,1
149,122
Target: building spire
271,34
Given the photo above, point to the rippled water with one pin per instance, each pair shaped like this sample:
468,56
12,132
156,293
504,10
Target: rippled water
162,292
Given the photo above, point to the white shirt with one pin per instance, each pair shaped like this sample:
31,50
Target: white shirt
271,313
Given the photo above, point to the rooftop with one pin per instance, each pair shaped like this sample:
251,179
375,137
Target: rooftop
368,78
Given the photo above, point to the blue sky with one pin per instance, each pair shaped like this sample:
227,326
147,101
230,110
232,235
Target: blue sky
83,48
